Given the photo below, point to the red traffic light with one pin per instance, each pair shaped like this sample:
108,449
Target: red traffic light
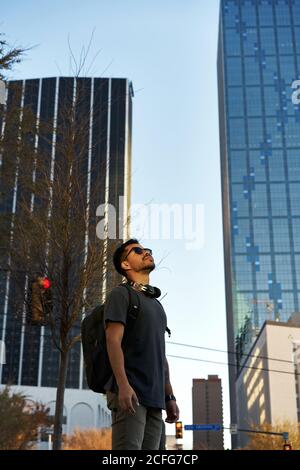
40,300
45,282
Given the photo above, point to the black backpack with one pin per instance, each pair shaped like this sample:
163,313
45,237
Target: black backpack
97,366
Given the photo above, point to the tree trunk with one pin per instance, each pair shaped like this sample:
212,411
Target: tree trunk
60,393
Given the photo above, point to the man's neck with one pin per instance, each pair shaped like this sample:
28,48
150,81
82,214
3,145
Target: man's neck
140,278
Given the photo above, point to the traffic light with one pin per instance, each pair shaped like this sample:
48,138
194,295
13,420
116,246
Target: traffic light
287,446
40,300
178,430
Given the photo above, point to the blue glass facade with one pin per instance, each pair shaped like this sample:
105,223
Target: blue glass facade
258,60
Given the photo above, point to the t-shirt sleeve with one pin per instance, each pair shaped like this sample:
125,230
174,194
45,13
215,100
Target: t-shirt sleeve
116,306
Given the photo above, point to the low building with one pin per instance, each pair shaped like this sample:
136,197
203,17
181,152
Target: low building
82,408
268,385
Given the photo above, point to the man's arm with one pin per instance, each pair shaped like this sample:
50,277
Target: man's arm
171,405
114,335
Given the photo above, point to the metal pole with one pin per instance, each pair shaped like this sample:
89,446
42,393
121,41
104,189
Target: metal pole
50,441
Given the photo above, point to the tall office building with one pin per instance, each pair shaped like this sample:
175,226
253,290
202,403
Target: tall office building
102,107
258,61
208,409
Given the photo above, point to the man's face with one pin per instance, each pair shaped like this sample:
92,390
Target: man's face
137,258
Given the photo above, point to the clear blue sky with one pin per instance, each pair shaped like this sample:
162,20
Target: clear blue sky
168,49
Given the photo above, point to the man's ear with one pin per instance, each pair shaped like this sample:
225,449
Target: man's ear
125,265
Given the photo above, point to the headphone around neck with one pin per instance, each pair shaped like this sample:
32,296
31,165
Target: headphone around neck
148,290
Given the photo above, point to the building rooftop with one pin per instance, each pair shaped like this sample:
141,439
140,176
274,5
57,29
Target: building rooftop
293,322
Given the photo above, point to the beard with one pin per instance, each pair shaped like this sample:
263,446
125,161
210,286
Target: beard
148,269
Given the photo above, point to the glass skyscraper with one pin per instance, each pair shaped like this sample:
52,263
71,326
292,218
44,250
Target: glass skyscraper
258,61
106,105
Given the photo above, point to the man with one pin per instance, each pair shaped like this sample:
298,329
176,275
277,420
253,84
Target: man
141,386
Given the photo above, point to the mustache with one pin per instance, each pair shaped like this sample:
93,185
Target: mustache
147,256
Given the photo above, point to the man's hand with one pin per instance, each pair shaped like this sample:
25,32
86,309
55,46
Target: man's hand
128,400
172,412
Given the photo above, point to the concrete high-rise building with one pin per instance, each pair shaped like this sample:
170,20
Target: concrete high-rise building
208,409
103,107
268,385
258,63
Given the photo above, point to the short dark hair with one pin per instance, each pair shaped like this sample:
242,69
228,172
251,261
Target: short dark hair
118,254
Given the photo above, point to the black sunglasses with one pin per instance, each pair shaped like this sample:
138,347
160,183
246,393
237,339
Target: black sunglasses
138,250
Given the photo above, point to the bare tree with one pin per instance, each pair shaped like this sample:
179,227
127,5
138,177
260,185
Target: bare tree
9,56
52,232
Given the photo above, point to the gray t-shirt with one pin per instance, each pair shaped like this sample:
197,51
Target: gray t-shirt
143,343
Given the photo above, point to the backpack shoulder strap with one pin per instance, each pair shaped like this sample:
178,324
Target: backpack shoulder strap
134,302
